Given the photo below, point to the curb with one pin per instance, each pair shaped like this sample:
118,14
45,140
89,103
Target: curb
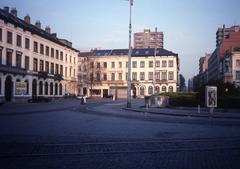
182,114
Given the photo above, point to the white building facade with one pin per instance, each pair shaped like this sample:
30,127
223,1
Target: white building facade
105,72
33,62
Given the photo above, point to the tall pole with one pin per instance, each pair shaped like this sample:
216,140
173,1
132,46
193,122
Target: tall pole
129,105
154,64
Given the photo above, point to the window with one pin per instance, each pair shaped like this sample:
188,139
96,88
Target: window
52,52
126,64
113,76
142,64
51,88
134,64
70,59
134,76
0,34
61,69
105,64
238,63
47,66
170,89
142,91
61,55
157,76
60,89
142,75
47,51
98,65
27,43
9,37
35,64
150,90
113,64
57,54
66,71
157,89
170,75
150,75
164,63
18,60
41,49
120,64
150,64
52,68
105,77
56,89
164,89
119,76
0,56
91,65
98,76
27,62
164,76
19,41
27,91
126,76
158,63
56,69
35,46
9,58
41,65
237,75
170,63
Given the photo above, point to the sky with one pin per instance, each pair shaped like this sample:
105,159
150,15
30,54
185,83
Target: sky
189,26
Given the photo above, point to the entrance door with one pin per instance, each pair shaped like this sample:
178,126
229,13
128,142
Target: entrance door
34,88
105,93
84,91
8,89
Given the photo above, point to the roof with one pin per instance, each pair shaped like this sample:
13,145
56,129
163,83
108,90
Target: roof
17,22
135,52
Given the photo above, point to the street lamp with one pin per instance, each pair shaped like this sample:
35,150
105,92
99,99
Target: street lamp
129,56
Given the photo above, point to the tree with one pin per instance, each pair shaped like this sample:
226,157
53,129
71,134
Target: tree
182,83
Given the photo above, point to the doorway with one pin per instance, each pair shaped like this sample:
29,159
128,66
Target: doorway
8,89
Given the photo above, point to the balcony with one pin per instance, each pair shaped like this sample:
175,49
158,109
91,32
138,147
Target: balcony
12,69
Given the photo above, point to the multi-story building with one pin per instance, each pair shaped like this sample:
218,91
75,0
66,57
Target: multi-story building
214,62
203,69
33,61
231,67
148,39
223,33
105,72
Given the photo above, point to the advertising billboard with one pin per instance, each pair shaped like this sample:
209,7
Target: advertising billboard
211,96
21,88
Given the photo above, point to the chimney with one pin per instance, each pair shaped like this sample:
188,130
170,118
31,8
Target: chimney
38,24
48,29
155,29
54,35
6,9
14,12
27,19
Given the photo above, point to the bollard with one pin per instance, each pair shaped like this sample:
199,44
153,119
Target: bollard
198,108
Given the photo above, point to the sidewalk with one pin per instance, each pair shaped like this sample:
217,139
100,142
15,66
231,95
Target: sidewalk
138,106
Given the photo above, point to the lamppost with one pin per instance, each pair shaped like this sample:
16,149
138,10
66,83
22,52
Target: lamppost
129,56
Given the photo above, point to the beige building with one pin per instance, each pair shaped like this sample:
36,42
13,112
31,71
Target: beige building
231,67
33,61
148,39
105,72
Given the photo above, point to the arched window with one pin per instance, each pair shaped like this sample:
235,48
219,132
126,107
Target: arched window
170,89
51,88
150,90
142,92
56,89
46,88
18,80
27,84
60,89
157,89
40,88
164,89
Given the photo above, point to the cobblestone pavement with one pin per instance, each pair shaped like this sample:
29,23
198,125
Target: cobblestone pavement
166,154
74,136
